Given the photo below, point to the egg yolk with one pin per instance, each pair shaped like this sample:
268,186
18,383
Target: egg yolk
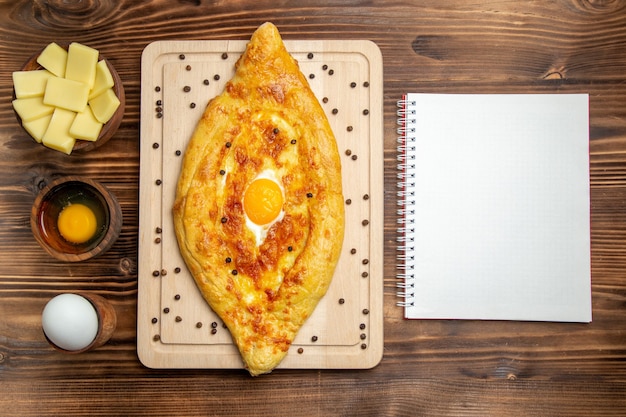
262,201
77,223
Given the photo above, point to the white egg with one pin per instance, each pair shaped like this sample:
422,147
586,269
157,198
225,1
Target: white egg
70,321
260,231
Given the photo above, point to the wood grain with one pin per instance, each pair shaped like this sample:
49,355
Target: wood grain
429,367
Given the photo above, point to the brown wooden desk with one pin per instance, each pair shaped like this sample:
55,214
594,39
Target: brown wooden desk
455,368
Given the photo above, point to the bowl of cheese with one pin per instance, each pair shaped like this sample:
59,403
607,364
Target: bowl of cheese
68,98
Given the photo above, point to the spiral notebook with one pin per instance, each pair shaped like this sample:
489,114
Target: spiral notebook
494,217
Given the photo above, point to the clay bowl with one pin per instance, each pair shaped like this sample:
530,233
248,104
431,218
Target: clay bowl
110,127
75,190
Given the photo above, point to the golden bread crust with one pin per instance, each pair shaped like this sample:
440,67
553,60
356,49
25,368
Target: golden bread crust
266,120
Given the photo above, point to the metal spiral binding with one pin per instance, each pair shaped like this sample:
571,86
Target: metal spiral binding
405,156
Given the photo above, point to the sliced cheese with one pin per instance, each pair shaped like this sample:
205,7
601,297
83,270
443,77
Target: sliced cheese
57,135
31,108
104,79
86,126
37,127
67,94
104,105
30,83
70,99
81,63
54,59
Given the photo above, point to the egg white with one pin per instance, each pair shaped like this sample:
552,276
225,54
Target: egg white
260,231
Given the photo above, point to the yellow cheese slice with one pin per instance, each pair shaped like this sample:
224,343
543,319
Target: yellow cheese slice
37,127
57,135
31,108
85,126
104,105
104,80
67,94
54,59
81,63
30,83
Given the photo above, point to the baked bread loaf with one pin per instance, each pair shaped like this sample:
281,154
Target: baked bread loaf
259,212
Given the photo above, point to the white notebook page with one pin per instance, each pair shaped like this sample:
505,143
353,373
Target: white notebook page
502,210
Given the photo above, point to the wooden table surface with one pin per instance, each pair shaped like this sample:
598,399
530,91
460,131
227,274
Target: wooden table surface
437,367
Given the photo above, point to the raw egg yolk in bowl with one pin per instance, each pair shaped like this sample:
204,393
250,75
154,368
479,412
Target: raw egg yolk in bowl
77,223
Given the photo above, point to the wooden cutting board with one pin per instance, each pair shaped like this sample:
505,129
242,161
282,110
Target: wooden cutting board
175,326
